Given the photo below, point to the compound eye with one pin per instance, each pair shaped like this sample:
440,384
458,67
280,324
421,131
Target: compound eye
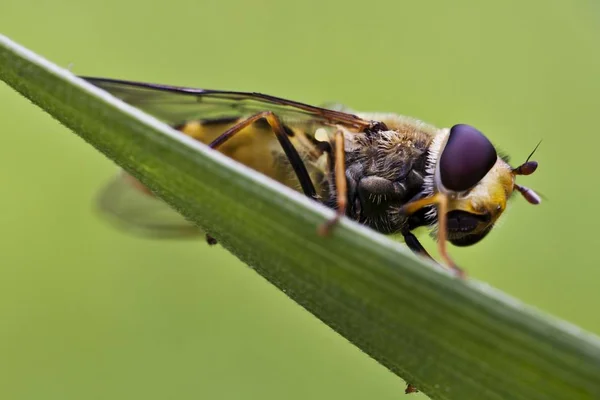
466,159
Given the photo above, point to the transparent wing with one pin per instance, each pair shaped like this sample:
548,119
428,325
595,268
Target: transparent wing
131,209
174,104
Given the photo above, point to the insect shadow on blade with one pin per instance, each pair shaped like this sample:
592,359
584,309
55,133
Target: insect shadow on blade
390,172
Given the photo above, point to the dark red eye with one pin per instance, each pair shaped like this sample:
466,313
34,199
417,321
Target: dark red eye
467,157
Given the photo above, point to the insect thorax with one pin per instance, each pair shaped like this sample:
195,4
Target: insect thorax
386,169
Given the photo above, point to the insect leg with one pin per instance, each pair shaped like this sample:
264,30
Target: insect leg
442,234
341,187
441,201
413,243
410,389
288,148
210,240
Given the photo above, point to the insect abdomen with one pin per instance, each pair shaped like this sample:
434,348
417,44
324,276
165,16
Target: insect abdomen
255,146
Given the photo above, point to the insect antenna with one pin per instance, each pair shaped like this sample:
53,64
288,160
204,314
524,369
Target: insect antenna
528,168
531,196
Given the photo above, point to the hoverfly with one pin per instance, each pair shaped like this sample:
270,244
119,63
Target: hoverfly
390,172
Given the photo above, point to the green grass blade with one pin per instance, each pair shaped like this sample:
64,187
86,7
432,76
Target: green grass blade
452,339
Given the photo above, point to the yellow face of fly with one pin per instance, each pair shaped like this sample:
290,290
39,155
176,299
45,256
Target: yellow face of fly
487,201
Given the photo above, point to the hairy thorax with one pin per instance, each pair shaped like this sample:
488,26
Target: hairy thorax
385,169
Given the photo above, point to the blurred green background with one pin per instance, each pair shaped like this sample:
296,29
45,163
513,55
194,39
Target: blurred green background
87,312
